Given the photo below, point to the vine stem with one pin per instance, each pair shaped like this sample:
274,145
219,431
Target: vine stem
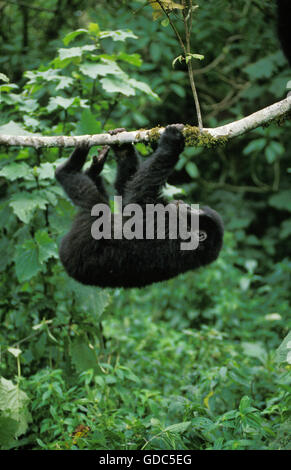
187,16
173,27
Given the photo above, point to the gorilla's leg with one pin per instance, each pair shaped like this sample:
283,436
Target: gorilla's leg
93,172
78,186
127,162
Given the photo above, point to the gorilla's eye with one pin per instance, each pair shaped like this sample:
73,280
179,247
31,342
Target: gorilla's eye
202,236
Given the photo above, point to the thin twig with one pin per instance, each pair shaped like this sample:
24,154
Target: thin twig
186,49
173,27
188,18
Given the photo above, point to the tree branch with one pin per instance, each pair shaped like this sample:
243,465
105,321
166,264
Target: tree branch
229,131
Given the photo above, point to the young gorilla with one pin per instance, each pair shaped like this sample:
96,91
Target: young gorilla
137,262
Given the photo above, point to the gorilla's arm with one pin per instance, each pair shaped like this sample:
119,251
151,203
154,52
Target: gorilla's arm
146,185
79,186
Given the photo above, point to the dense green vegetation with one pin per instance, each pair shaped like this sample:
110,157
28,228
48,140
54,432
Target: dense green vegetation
192,363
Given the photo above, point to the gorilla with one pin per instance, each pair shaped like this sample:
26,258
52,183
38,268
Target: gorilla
127,261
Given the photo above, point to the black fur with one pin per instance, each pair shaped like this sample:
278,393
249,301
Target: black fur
129,263
284,26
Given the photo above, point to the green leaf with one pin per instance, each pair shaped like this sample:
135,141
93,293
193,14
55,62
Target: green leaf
178,89
88,124
24,204
283,353
8,430
285,229
155,51
194,56
31,122
178,428
51,195
93,300
71,36
83,357
251,265
8,88
131,376
263,68
69,53
133,59
46,171
64,82
14,351
47,247
28,105
282,200
118,35
75,51
169,190
4,77
244,283
180,58
165,22
13,171
229,416
255,146
13,128
117,85
26,260
94,29
244,404
192,170
255,350
13,404
47,75
6,251
59,101
274,150
201,422
143,87
102,69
